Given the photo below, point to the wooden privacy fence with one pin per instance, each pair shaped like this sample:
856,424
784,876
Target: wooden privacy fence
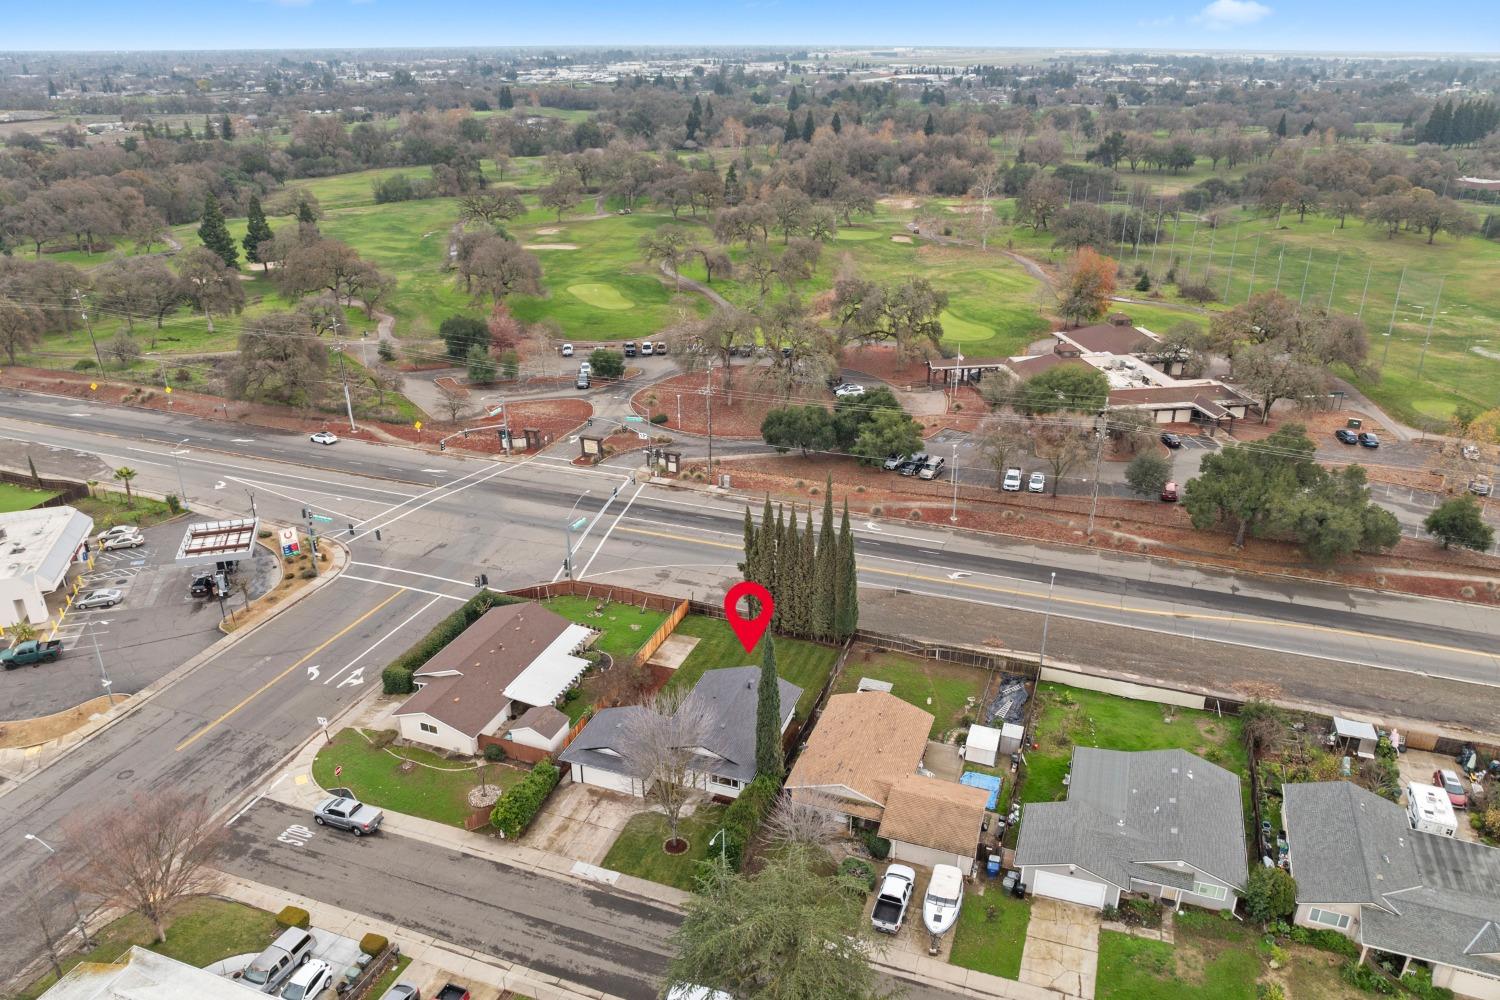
598,592
67,490
643,656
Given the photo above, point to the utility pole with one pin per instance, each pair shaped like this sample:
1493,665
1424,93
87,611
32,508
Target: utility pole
1099,425
78,296
1430,320
708,401
1041,659
73,899
344,377
954,475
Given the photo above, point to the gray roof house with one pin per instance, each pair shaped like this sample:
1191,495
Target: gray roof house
598,755
1362,870
1164,822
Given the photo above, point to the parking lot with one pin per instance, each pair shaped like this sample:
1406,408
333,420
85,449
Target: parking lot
157,627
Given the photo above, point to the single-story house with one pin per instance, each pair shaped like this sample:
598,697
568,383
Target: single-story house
1363,871
140,974
600,756
37,549
516,657
1164,822
864,759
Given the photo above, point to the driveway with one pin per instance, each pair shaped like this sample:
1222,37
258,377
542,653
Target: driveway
1062,947
581,822
1416,766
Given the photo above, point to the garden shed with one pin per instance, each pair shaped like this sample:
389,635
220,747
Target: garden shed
983,745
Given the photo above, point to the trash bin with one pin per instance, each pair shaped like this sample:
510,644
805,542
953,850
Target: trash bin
994,865
1354,423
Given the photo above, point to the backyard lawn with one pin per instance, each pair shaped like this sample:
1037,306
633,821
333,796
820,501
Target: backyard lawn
1068,717
989,942
203,931
805,664
14,498
944,689
638,849
406,779
623,627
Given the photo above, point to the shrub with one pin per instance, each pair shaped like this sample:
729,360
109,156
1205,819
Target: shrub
1270,893
373,944
494,752
1270,991
1418,982
1328,940
308,573
1197,293
659,418
516,808
395,680
83,365
878,846
860,869
385,352
293,916
174,504
264,533
1366,977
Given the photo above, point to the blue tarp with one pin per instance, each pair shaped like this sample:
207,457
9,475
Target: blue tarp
989,782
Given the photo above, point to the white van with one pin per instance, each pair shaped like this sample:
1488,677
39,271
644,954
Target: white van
1429,811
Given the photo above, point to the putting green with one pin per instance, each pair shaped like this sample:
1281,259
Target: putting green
963,331
858,234
600,295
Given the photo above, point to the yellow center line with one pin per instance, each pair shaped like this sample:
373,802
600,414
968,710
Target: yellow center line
1084,602
267,685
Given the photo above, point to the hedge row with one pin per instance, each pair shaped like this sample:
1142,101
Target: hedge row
396,678
745,814
515,809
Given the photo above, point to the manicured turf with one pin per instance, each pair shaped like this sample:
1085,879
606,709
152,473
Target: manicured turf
433,788
638,849
991,944
805,664
1212,960
623,628
599,295
201,932
948,686
14,498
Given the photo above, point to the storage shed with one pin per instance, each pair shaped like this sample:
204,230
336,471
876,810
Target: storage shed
982,746
1359,737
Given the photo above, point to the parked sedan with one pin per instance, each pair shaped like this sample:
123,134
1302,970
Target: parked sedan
1368,440
1037,483
1448,782
1172,440
849,389
893,462
324,437
132,540
402,991
567,350
117,531
1346,436
105,598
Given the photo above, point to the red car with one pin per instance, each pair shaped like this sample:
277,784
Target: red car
1448,782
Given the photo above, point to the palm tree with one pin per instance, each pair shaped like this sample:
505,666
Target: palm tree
125,474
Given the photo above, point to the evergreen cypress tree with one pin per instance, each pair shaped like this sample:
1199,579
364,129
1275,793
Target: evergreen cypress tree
807,128
1281,127
215,235
733,193
694,119
226,128
789,598
507,99
708,110
305,214
768,758
257,231
807,580
929,126
837,124
826,573
790,133
773,552
794,99
848,606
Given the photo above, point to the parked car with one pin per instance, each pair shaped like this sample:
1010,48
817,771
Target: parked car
1346,436
107,597
270,968
893,462
30,653
582,382
932,468
1368,440
1012,481
945,896
1038,482
585,369
308,982
849,389
895,894
1449,782
661,347
567,350
630,348
324,437
1480,486
1169,493
646,349
125,540
452,991
1172,440
202,586
1470,452
345,812
402,991
911,466
118,530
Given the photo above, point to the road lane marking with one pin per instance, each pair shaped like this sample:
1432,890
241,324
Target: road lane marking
445,490
300,500
377,642
411,572
1122,607
268,684
399,586
611,531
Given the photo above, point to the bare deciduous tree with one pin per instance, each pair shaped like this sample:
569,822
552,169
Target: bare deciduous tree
660,740
147,855
812,818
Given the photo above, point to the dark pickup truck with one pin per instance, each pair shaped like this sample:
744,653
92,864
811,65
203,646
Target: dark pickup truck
31,652
452,992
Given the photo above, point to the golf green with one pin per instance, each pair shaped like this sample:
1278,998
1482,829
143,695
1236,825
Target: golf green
963,331
599,295
859,234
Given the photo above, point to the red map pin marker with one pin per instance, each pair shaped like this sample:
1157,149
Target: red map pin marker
749,630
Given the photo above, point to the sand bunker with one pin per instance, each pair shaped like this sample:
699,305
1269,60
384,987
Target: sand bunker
551,246
549,231
901,239
906,203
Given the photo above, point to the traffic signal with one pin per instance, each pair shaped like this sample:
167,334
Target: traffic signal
305,514
442,446
377,534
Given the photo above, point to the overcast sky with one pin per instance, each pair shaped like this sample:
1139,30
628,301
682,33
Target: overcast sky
1322,25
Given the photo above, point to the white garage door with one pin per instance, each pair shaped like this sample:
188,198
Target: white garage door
601,778
1069,889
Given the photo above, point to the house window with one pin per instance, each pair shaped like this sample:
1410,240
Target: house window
427,727
714,779
1328,918
1210,891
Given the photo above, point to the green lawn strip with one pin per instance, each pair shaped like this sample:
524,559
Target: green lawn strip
14,498
940,688
623,628
991,944
109,508
438,791
805,664
388,978
638,848
1205,964
203,931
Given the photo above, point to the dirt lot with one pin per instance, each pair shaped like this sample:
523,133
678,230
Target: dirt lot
736,415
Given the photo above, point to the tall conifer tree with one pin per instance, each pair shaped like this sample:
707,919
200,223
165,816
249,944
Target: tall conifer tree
215,235
768,757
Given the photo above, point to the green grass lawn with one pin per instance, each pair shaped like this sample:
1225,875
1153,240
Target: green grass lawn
109,508
805,664
943,689
14,498
438,791
638,849
991,944
203,931
623,628
1068,717
386,981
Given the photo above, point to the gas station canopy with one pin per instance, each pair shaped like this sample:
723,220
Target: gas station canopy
220,541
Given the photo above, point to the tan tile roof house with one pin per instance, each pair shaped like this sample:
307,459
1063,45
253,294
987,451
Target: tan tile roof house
942,815
864,743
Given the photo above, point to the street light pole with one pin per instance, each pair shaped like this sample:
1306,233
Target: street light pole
83,932
176,451
568,536
1098,460
1041,659
954,476
723,842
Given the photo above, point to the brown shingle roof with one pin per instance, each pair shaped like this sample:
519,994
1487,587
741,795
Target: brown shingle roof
476,667
1107,337
865,741
930,812
545,719
1025,368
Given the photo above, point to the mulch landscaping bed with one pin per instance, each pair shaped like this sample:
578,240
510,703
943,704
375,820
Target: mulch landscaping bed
880,361
1140,527
741,418
553,417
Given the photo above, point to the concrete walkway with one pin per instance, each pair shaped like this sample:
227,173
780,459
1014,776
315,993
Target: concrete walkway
1062,948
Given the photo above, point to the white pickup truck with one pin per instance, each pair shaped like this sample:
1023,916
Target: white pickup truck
895,894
